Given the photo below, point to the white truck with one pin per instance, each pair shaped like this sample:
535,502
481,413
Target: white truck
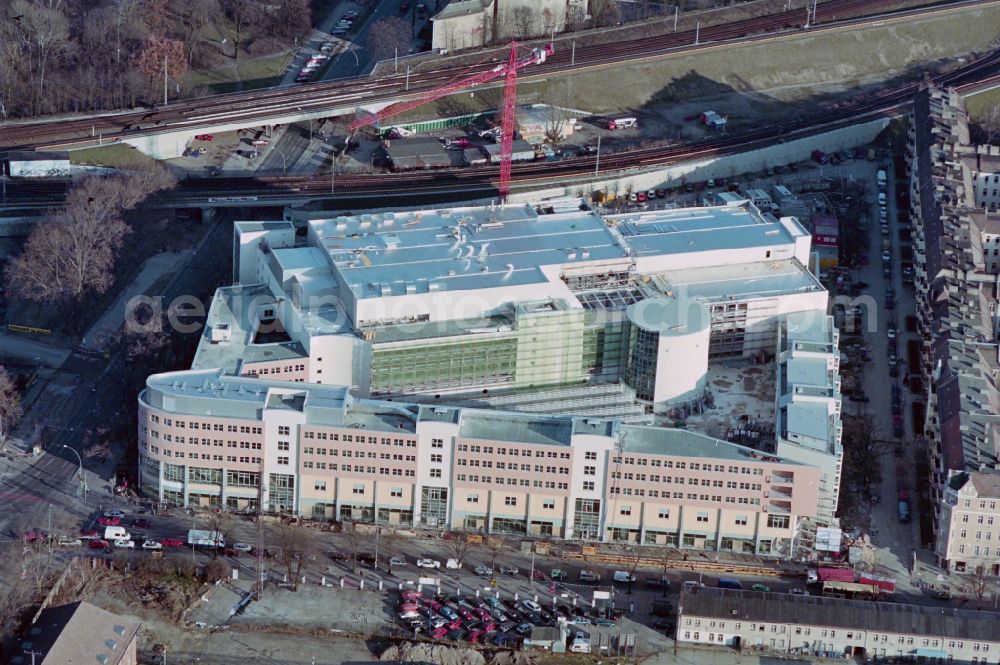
112,533
203,538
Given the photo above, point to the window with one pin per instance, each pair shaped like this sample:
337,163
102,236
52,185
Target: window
282,445
549,504
777,521
435,473
590,470
510,501
472,498
358,489
741,520
320,486
282,460
590,454
664,513
283,429
396,492
626,510
588,485
436,459
702,517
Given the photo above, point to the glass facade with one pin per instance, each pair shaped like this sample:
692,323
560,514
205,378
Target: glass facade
640,372
443,365
587,519
281,493
434,506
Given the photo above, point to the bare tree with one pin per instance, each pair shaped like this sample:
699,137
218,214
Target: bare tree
10,404
391,541
73,255
555,124
865,448
990,124
389,35
296,548
605,12
97,444
222,524
354,539
239,15
458,547
978,585
631,565
494,546
47,29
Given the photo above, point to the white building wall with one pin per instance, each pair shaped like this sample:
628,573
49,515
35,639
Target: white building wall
427,431
602,447
273,420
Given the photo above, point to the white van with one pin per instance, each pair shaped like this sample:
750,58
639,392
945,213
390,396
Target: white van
580,644
622,576
453,564
116,533
880,177
622,123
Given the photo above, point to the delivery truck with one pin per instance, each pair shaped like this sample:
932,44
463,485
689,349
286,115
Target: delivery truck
203,538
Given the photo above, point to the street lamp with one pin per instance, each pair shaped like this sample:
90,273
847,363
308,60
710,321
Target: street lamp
83,478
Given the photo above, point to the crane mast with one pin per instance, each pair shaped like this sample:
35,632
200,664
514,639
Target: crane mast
509,73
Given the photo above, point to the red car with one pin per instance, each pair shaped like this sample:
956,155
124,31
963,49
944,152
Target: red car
484,615
140,523
204,137
490,627
466,613
88,533
538,575
474,636
459,143
455,625
109,521
99,544
172,542
410,594
433,604
439,632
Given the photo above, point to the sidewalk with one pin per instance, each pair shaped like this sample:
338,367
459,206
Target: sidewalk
113,317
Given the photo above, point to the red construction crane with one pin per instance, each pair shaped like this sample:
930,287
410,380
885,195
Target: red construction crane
509,71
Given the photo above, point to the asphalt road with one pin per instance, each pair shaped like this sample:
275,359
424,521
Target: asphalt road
29,485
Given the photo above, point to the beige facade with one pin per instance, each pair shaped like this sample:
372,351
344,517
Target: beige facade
782,624
968,535
205,438
473,23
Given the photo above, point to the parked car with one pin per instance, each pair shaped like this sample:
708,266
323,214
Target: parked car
761,587
140,523
125,543
204,137
483,571
70,542
109,521
508,570
589,576
397,561
539,576
151,545
428,563
172,542
99,544
531,605
242,547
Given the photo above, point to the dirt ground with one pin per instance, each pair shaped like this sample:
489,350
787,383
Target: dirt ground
741,392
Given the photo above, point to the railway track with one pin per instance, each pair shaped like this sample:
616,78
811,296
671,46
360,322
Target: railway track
260,105
889,103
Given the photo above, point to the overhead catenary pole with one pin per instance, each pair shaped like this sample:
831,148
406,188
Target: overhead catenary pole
597,162
697,33
572,57
164,79
677,11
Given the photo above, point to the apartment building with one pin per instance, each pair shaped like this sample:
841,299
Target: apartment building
969,532
808,403
957,293
860,630
210,439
